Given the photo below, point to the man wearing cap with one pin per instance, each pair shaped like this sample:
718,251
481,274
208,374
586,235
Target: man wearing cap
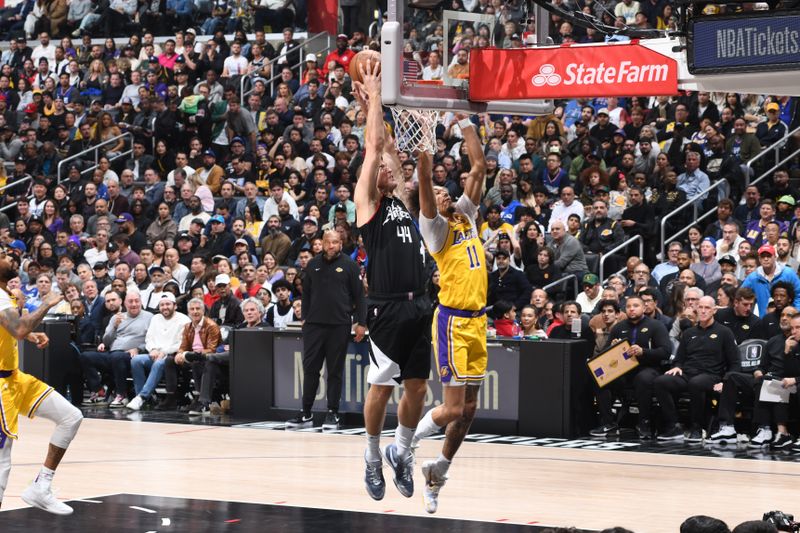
227,310
604,129
342,55
163,338
773,129
127,226
591,294
220,240
152,295
767,275
311,231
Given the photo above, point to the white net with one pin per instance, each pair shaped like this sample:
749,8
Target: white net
415,129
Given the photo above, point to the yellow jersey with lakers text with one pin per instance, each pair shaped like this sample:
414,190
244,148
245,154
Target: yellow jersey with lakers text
457,249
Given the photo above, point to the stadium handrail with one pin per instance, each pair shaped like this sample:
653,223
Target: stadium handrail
271,80
96,149
775,149
617,248
563,280
690,202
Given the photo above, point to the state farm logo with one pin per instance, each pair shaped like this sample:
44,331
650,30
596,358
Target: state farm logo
600,74
547,76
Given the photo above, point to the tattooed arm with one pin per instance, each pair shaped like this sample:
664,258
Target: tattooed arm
21,326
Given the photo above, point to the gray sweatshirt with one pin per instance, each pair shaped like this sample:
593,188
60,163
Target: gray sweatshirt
131,332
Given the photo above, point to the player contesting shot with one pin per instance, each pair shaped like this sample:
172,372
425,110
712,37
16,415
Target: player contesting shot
24,394
459,323
399,316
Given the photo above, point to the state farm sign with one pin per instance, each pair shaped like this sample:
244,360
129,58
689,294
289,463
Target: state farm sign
570,71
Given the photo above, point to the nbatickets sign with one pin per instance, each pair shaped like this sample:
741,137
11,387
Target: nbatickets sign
570,72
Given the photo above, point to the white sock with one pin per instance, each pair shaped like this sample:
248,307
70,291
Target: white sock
402,440
443,464
45,476
373,448
426,427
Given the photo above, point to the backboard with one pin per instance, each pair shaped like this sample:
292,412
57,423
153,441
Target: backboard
402,70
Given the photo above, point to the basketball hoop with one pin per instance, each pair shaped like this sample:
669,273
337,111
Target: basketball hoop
415,129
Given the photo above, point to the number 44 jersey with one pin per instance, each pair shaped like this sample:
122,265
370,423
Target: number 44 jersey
395,253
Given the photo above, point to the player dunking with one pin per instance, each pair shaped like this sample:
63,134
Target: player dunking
24,394
459,323
399,316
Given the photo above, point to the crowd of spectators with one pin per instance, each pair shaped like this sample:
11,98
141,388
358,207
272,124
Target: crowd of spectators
210,221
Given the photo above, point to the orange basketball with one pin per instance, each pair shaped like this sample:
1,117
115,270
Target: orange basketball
361,59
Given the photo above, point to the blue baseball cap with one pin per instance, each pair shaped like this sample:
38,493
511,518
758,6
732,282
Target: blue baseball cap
218,218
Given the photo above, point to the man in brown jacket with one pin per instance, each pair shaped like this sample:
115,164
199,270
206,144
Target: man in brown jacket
200,336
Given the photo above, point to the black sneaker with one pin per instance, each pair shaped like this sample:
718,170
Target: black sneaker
606,430
374,481
331,422
781,441
403,470
675,433
168,403
695,436
644,430
301,421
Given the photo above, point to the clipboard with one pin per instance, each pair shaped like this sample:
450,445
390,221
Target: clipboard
612,363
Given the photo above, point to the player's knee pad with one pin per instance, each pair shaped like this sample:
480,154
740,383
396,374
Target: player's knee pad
66,416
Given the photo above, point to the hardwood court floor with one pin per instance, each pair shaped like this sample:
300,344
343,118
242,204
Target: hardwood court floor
589,489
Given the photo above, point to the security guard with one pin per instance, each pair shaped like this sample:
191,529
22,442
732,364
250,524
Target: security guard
651,346
601,234
706,352
740,318
333,297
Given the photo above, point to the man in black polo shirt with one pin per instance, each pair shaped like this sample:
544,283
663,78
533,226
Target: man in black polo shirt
651,346
706,352
332,296
740,318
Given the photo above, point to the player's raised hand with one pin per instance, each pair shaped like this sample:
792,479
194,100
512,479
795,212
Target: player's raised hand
371,76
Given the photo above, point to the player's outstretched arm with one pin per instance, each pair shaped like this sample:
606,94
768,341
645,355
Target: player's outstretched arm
21,326
476,181
368,94
427,198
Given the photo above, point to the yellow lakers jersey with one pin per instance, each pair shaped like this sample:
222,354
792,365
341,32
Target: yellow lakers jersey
463,278
9,356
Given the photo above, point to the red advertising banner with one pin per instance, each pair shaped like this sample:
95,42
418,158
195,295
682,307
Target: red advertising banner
570,71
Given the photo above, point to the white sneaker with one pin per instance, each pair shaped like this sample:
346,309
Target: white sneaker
42,497
136,403
119,402
434,481
762,438
726,434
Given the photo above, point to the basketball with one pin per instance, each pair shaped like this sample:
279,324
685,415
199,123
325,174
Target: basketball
361,59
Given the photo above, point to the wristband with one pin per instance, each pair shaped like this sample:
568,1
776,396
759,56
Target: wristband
465,123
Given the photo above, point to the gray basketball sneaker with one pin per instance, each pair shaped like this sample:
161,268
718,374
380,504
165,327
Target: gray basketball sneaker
403,470
373,479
